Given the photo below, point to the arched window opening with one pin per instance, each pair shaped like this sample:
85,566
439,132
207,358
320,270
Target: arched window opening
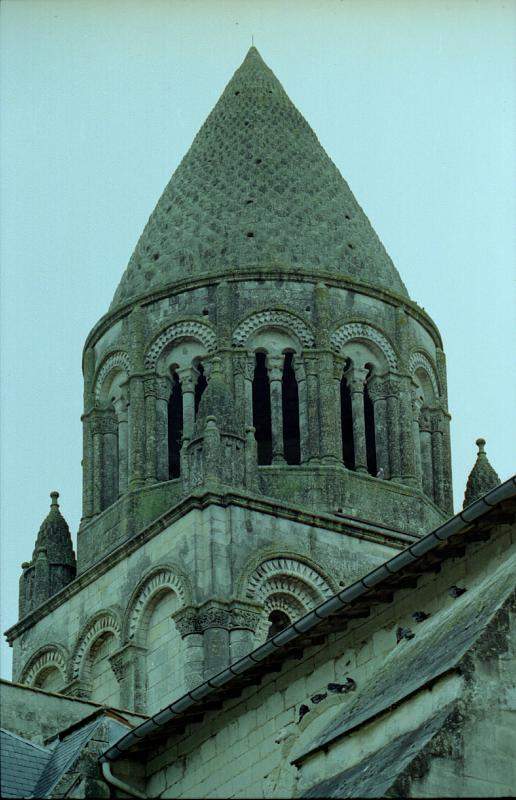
372,466
175,428
200,386
164,646
104,685
262,410
278,622
346,417
290,402
49,679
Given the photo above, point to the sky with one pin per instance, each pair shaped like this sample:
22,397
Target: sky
413,100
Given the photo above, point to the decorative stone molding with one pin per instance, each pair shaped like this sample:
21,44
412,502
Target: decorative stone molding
276,319
159,579
118,360
244,365
419,359
360,330
180,330
217,614
104,421
48,657
103,622
301,580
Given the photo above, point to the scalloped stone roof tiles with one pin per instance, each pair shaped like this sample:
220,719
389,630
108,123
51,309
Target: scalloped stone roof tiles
255,190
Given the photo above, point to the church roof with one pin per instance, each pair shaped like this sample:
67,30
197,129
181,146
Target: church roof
256,191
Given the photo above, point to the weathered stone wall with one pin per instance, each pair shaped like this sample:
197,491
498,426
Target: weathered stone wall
126,372
112,636
38,715
433,712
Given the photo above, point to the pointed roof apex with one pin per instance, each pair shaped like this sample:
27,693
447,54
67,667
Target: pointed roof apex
482,477
54,535
256,192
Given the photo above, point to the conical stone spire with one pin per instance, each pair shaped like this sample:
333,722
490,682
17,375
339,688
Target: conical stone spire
53,563
482,477
256,191
54,536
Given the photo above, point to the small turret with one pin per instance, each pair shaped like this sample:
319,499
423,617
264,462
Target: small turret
482,477
53,563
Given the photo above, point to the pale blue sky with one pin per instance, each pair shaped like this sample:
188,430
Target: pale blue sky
415,103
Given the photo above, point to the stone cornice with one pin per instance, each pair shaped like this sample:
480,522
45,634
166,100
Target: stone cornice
199,500
304,276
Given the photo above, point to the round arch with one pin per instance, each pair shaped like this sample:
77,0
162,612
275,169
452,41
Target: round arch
50,658
273,318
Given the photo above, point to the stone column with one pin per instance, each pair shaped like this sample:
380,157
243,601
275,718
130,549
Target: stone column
312,406
162,397
425,437
447,470
188,377
300,373
356,378
437,457
417,404
87,466
128,664
109,489
121,410
136,432
251,460
97,435
408,468
275,369
393,428
329,410
244,374
377,395
149,388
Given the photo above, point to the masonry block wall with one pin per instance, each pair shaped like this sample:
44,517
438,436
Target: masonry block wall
260,745
137,629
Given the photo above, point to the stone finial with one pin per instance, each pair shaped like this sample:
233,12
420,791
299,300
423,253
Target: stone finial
53,562
482,477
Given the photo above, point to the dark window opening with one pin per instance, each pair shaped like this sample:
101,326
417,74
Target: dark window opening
278,622
262,410
175,428
290,398
346,417
372,467
250,234
200,386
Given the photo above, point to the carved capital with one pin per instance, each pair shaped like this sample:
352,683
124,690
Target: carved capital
125,659
217,614
275,367
104,422
188,377
425,422
356,378
163,388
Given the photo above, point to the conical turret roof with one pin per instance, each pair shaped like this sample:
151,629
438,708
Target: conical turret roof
482,477
256,190
54,536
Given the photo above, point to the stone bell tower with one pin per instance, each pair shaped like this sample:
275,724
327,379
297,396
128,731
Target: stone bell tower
265,415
